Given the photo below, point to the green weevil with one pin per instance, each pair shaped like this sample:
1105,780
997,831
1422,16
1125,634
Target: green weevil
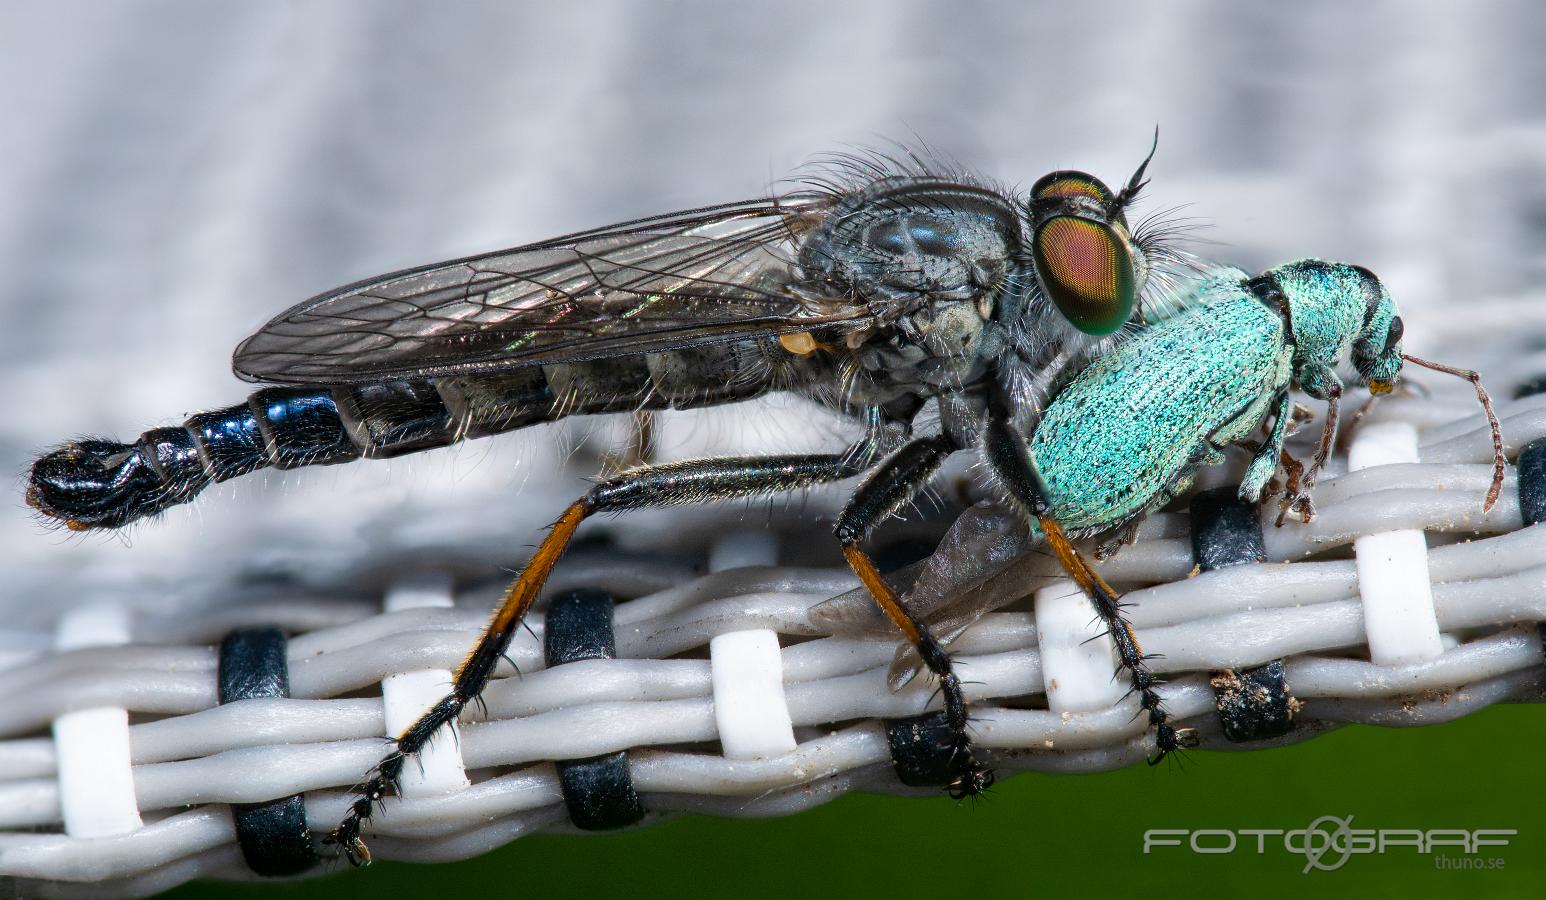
1131,431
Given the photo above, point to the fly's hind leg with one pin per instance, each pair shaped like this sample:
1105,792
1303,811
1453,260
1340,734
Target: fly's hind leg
695,481
894,484
1108,607
1005,454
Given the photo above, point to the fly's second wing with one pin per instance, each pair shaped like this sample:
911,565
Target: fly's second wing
684,279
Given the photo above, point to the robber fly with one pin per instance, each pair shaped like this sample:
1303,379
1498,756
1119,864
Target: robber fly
874,288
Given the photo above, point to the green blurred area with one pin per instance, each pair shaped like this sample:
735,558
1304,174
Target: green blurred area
1042,835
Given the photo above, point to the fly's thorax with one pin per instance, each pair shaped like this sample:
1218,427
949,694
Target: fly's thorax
941,346
903,241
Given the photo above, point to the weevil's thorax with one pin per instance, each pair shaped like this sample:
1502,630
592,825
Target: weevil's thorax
1328,308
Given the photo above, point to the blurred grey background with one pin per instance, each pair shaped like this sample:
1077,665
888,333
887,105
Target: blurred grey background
174,173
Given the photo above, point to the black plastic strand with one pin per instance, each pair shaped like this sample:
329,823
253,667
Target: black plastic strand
922,750
598,791
1532,481
273,835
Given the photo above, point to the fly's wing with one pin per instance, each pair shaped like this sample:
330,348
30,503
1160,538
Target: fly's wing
701,276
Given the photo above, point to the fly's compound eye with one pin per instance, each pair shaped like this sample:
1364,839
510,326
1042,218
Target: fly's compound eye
1087,272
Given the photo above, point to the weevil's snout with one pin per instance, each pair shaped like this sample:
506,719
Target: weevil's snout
1381,370
1085,257
1377,349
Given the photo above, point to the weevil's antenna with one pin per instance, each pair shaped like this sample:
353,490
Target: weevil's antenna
1137,182
1498,460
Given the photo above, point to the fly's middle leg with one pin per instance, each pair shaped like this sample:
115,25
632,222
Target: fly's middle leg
696,481
894,484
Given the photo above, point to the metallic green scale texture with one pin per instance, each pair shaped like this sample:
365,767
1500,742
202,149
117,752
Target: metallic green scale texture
1133,428
1115,439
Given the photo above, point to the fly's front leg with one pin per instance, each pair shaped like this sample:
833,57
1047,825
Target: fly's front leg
696,481
893,485
1321,383
1005,454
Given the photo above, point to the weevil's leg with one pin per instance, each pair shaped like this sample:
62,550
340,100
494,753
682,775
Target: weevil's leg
1122,537
1005,454
1294,471
1323,384
892,485
1264,464
695,481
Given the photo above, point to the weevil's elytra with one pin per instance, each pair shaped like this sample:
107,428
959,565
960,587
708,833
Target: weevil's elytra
1126,436
883,287
1131,431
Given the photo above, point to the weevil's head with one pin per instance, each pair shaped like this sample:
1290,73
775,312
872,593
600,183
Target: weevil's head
1335,307
1377,349
1087,262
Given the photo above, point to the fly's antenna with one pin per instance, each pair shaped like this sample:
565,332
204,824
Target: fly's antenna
1137,182
1492,421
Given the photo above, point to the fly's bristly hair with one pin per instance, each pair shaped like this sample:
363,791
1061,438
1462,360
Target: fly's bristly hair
838,173
1164,235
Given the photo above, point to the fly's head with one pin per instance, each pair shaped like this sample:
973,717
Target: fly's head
1087,263
1095,271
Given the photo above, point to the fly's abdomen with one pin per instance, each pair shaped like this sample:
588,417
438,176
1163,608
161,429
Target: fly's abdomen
105,484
